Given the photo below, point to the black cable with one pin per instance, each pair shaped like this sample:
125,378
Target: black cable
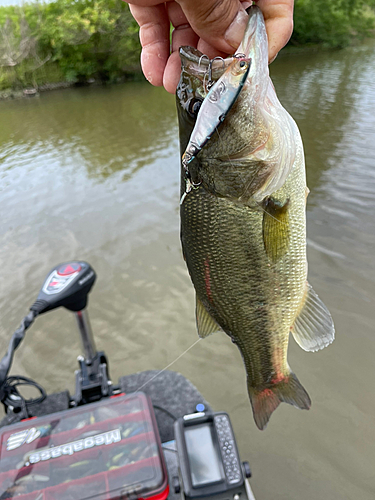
13,399
165,411
15,341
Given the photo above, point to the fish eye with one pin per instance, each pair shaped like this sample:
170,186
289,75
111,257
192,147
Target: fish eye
242,64
194,106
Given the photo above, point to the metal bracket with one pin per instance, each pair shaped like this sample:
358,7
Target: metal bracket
92,380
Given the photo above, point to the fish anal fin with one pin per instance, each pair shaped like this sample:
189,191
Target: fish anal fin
276,231
206,325
265,400
313,328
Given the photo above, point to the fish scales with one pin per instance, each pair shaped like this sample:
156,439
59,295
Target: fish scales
243,229
247,291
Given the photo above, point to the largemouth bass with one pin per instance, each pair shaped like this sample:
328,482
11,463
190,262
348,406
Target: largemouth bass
243,227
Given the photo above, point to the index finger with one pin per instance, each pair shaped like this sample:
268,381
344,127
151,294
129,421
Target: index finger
153,24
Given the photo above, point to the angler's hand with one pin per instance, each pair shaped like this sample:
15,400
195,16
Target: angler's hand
215,27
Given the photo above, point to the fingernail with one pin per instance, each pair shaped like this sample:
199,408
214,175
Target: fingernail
234,33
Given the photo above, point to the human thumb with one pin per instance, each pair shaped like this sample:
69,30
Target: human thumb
221,23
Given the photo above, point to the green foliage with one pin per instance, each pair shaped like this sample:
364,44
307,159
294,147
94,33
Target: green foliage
81,39
75,40
332,23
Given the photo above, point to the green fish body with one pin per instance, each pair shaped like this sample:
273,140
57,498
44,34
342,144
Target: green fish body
243,227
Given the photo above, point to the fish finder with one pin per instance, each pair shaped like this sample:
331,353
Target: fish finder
209,462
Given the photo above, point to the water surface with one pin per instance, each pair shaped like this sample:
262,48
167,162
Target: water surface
93,174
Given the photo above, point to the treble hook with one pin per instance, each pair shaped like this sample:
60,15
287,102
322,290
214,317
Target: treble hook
209,72
202,57
217,58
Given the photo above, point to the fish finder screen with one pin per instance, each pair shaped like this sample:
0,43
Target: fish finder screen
204,457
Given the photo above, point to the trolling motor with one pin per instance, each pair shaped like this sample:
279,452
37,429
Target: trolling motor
66,285
111,449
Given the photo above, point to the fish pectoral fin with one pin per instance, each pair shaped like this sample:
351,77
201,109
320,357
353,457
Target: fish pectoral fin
313,328
205,322
276,231
265,400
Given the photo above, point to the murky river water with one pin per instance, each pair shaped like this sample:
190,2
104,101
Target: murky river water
93,174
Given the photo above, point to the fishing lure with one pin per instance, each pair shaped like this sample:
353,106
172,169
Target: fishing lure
215,107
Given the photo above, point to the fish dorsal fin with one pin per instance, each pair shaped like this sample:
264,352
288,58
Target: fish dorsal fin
205,323
276,232
313,329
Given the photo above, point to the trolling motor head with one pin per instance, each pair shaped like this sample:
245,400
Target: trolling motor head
66,285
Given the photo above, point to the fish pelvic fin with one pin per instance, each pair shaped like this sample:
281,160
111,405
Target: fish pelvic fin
313,328
206,325
265,400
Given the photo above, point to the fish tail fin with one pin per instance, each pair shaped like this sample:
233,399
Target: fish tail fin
265,400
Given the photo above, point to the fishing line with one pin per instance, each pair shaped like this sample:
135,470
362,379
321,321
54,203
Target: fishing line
168,366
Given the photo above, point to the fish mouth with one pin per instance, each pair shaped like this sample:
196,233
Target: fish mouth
198,65
254,32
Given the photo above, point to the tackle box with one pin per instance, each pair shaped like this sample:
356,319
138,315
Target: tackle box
104,451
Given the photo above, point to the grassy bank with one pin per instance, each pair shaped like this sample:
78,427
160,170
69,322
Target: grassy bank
333,23
67,41
76,41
